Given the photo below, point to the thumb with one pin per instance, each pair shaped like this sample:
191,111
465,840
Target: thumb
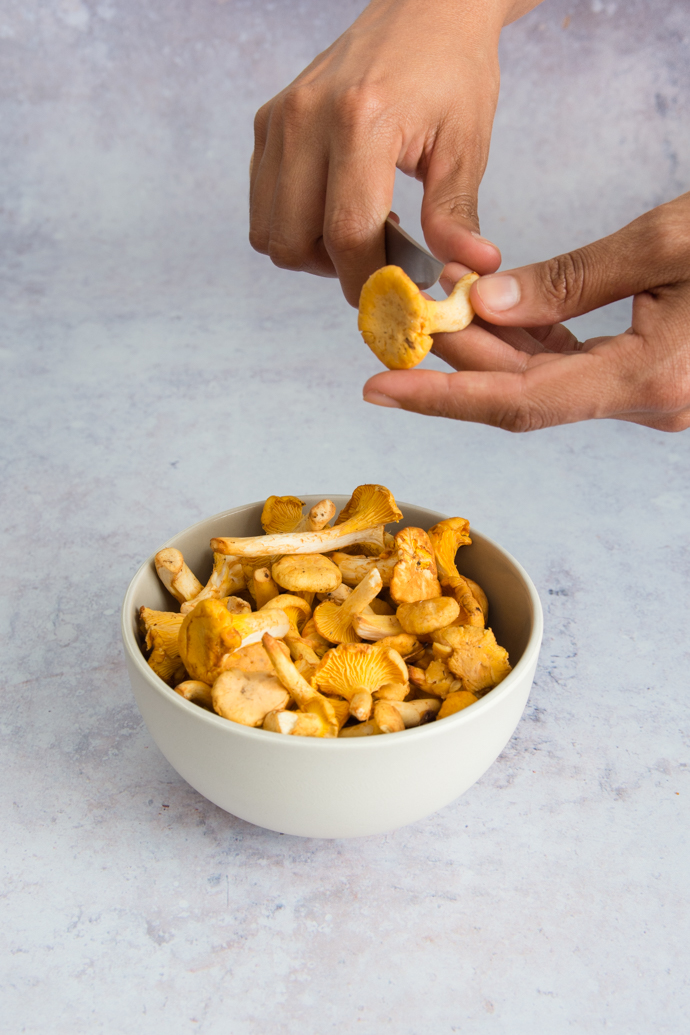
449,209
648,253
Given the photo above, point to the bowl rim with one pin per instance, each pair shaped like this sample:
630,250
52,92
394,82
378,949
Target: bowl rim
261,736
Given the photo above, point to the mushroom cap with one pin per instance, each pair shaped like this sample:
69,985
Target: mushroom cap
447,537
206,636
354,567
281,514
351,667
426,616
307,573
455,702
476,659
375,502
197,692
247,697
167,622
414,576
393,319
296,608
470,610
253,658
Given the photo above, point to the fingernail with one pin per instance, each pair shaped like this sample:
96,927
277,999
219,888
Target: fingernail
499,293
379,399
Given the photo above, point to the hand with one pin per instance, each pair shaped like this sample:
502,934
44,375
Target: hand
412,84
522,379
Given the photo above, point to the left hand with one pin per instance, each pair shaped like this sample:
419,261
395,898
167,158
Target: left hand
518,368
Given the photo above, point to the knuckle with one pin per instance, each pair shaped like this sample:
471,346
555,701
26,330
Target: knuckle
462,205
348,232
296,105
285,255
669,230
563,278
357,106
258,239
261,120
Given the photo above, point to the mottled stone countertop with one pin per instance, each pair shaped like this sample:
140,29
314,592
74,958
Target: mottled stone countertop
154,371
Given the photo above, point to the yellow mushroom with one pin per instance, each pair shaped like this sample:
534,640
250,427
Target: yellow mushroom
355,671
447,537
281,514
455,702
295,608
392,691
397,321
312,636
226,579
197,692
334,621
307,573
426,616
436,679
475,656
376,627
170,670
304,724
320,515
414,576
305,696
177,578
168,625
264,588
374,507
209,634
247,697
236,605
354,567
416,713
405,644
387,717
284,514
253,658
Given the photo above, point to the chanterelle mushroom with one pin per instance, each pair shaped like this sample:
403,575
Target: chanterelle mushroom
426,616
306,573
177,578
397,321
305,696
414,576
226,579
248,697
355,671
476,658
209,634
372,508
334,621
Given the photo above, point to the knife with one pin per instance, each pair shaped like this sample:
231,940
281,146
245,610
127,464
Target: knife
402,250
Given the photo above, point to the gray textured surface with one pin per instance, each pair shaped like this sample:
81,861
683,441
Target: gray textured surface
154,371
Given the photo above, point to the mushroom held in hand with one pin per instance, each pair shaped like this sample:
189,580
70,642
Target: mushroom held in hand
397,321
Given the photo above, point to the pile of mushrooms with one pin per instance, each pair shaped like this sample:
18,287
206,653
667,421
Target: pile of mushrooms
323,628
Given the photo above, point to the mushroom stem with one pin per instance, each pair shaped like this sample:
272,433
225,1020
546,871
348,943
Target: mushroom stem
320,514
177,578
299,542
265,588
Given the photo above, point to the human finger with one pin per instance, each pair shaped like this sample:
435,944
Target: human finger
652,251
361,177
552,389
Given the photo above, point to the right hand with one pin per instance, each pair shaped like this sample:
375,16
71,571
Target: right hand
412,84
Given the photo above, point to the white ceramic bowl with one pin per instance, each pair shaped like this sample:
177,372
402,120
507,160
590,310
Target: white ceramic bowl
337,788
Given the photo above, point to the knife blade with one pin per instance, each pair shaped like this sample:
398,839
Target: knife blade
402,250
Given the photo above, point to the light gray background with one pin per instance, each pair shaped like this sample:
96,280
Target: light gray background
154,370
